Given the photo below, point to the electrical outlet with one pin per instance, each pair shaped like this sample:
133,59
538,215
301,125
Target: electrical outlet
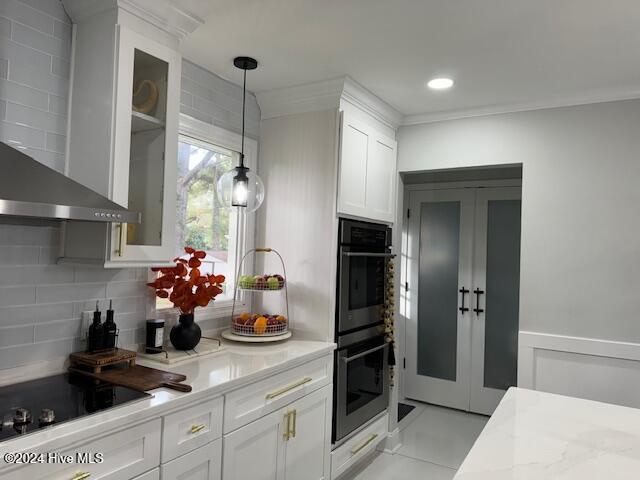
87,319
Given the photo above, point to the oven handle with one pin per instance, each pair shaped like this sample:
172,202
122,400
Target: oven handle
362,354
367,254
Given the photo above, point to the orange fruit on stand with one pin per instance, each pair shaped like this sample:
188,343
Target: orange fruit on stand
260,326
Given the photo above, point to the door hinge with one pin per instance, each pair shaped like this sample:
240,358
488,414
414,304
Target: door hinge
404,362
408,213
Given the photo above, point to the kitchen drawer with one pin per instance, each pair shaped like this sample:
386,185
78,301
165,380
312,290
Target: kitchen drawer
152,475
127,454
358,446
190,428
249,403
205,463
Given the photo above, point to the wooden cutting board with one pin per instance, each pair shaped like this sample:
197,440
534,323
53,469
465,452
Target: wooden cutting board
139,378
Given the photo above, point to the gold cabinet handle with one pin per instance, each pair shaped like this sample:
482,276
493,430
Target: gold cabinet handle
283,390
295,421
355,450
196,428
287,426
81,476
120,250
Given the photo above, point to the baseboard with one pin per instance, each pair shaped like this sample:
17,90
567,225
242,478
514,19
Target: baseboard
596,369
392,443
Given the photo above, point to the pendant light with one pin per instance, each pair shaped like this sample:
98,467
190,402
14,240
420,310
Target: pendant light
241,187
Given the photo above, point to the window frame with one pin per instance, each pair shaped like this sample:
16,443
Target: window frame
190,128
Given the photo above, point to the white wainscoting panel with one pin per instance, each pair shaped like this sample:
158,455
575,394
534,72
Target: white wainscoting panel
602,370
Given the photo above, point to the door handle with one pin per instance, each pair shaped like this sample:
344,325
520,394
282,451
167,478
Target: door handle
462,308
478,292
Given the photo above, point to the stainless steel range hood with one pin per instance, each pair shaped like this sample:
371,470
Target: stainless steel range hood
31,189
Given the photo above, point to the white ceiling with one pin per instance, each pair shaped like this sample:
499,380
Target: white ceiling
500,53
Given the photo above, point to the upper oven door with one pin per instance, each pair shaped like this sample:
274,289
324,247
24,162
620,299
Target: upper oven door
361,288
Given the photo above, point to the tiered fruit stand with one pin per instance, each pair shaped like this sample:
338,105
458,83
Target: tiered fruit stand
259,328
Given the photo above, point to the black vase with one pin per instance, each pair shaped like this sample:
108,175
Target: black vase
185,334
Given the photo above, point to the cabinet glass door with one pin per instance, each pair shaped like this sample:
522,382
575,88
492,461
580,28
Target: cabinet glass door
146,148
497,276
438,339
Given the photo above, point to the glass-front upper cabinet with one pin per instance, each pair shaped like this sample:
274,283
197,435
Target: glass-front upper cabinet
123,140
146,148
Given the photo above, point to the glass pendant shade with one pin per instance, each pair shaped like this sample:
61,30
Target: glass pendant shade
241,187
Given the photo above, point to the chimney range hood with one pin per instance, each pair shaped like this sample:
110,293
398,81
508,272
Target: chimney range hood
31,189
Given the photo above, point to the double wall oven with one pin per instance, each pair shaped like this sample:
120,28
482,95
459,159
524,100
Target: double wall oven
361,364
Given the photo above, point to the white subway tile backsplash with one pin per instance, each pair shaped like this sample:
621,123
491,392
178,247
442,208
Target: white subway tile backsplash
55,142
127,289
18,135
60,67
23,55
26,15
35,275
19,255
30,117
69,292
50,159
17,296
3,109
192,112
57,104
27,235
186,99
4,68
20,355
5,27
40,41
32,314
61,30
10,336
53,8
39,77
24,95
95,275
56,330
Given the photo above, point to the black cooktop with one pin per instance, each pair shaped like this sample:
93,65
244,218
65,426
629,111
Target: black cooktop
30,406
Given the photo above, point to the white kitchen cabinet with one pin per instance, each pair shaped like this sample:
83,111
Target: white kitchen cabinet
202,464
127,154
367,171
292,443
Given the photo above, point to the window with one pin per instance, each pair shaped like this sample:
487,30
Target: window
205,153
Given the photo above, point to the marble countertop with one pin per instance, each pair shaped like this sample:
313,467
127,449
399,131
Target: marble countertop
210,376
538,436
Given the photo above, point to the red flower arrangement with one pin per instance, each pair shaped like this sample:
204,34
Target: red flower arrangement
189,289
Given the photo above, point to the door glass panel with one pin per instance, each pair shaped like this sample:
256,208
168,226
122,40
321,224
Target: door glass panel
365,380
438,289
503,288
366,282
146,168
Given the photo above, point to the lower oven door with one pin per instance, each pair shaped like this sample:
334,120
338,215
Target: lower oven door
362,385
361,287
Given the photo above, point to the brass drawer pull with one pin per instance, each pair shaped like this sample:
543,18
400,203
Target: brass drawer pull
81,476
196,428
120,250
355,450
284,390
295,420
287,426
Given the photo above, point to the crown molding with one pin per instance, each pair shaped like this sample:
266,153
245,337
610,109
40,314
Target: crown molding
164,14
599,97
324,95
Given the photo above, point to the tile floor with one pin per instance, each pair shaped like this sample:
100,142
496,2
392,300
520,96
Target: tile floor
433,447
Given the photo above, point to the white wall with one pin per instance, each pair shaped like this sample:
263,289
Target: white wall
298,167
580,208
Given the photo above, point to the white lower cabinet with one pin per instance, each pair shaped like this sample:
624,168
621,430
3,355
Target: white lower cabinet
292,443
203,463
152,475
358,446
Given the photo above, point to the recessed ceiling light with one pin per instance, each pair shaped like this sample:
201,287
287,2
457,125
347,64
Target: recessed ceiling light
440,83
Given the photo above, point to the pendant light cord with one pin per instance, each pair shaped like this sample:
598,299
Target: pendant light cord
244,95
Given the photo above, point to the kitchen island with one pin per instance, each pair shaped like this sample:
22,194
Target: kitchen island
538,436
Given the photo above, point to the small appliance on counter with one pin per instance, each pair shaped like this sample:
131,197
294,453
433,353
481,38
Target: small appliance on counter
31,406
361,379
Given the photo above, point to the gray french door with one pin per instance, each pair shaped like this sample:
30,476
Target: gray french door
463,271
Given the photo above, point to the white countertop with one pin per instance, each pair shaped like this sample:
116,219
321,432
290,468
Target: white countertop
209,376
538,436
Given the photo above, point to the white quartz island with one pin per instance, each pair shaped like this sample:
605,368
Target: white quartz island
538,436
